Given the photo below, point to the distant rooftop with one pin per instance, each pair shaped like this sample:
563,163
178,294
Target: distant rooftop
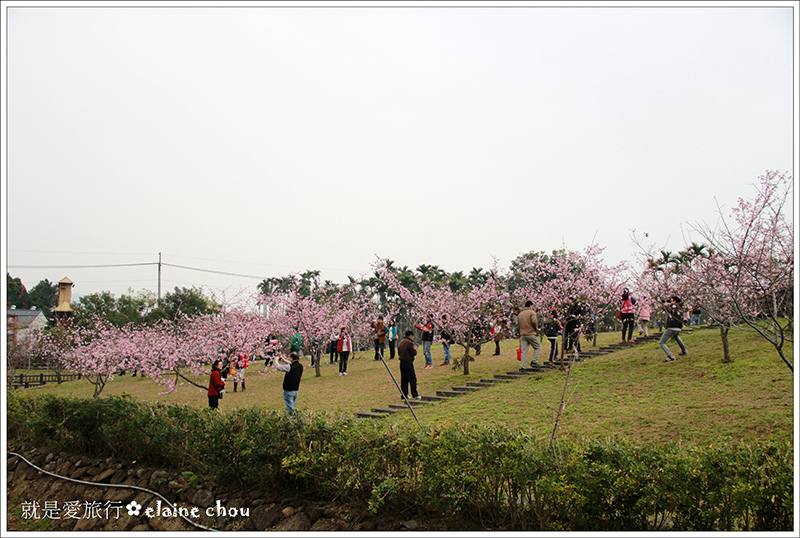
24,316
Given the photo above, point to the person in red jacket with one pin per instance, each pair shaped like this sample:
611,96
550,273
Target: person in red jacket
215,385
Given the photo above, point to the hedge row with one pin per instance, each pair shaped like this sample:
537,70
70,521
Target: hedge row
483,477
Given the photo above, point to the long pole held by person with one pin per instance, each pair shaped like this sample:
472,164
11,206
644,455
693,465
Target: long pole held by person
396,384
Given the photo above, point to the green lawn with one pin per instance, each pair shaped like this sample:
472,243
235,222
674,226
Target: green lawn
630,393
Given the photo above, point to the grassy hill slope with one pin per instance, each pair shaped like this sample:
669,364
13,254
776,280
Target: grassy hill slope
630,393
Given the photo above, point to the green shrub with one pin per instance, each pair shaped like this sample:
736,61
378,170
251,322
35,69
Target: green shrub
481,477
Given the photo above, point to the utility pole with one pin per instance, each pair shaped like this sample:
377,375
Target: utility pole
159,279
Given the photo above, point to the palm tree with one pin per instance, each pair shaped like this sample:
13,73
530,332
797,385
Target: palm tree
408,279
456,280
309,281
477,277
431,273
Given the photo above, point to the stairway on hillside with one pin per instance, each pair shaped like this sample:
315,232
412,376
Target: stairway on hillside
473,386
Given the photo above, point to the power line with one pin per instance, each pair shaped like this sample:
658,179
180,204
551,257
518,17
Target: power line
199,269
132,265
210,271
77,252
80,266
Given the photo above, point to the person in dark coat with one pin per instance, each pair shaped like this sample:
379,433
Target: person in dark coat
291,381
215,385
406,353
674,325
573,328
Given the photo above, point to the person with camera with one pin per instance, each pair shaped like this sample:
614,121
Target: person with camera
427,340
291,381
626,311
674,312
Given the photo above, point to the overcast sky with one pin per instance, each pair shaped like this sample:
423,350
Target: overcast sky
263,141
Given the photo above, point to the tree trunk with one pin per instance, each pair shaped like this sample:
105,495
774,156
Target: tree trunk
466,360
726,352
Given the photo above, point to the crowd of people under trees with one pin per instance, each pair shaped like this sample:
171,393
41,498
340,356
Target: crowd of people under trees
524,324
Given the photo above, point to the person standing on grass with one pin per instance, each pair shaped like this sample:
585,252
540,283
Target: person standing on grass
627,309
406,353
479,333
674,325
272,345
379,337
696,315
334,343
427,340
447,339
552,330
495,334
296,343
215,385
391,337
291,381
241,364
573,327
528,327
343,346
644,318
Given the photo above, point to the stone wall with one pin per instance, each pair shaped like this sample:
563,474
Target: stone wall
72,506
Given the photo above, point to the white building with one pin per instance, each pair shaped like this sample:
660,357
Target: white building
22,322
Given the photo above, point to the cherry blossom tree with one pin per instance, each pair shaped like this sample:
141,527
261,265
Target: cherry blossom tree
708,286
469,308
754,260
557,282
49,345
171,350
743,277
662,274
699,277
97,352
318,315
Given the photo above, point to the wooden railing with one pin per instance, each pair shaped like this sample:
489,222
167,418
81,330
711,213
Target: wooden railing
38,380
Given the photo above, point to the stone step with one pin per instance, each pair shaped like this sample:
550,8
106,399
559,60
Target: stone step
448,393
433,399
493,381
509,377
366,414
569,359
465,388
413,402
479,385
401,407
385,410
529,370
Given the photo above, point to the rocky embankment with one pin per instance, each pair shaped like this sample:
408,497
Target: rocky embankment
84,503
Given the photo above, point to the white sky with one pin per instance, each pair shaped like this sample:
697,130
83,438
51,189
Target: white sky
265,140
